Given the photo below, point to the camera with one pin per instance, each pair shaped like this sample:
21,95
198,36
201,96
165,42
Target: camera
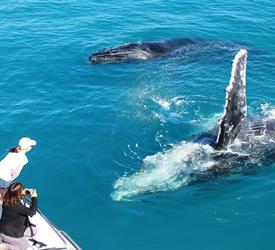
28,191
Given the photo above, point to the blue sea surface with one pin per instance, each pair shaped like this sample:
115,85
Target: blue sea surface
99,124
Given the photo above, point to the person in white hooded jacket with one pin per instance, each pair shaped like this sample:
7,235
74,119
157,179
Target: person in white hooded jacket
15,160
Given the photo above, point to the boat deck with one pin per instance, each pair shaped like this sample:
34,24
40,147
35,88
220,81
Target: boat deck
48,234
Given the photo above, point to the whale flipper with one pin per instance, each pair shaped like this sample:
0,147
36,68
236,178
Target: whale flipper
235,109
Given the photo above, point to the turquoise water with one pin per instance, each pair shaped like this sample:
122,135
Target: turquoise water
96,124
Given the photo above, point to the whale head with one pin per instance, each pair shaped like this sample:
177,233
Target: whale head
128,52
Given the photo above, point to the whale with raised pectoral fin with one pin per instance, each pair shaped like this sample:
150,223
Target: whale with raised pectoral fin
235,109
237,142
141,51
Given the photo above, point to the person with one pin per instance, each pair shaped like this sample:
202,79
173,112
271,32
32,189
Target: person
14,223
15,160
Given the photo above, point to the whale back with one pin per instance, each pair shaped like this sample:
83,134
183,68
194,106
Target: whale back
143,50
235,109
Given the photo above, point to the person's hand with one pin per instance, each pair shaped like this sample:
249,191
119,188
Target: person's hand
33,193
3,247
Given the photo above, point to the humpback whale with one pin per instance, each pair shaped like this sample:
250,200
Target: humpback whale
148,50
237,141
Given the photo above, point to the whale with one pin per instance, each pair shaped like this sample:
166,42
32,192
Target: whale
234,123
236,142
141,51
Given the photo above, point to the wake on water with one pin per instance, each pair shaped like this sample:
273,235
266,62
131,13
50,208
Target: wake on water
183,164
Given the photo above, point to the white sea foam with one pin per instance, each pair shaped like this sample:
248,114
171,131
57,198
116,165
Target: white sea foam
271,114
168,170
163,103
169,109
167,104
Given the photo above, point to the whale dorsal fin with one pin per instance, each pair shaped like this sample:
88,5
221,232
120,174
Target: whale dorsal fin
235,108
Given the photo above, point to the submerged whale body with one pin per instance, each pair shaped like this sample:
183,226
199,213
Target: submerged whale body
236,142
148,50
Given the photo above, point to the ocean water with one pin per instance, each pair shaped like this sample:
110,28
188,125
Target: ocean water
111,137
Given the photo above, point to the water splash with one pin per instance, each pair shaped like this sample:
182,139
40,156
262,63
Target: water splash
184,163
268,110
164,171
167,104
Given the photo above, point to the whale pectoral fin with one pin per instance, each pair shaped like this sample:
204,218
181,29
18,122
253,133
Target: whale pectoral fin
235,109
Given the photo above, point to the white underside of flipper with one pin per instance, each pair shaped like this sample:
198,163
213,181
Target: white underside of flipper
235,109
